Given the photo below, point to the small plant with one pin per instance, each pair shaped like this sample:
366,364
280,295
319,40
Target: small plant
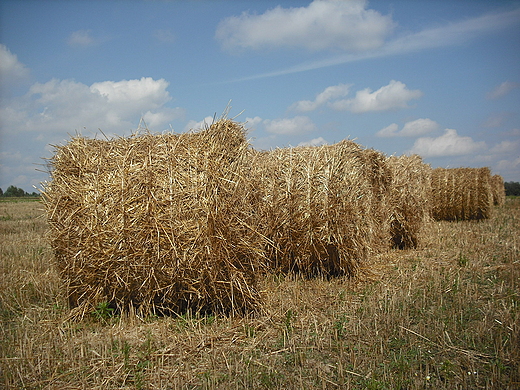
249,330
463,260
339,326
103,312
289,316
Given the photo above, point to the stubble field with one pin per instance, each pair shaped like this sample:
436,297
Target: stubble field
444,316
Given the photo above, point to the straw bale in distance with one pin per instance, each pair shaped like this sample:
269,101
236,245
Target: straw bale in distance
499,191
377,204
312,211
461,194
156,222
409,199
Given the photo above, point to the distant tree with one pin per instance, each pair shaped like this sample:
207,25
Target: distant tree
13,191
512,188
1,192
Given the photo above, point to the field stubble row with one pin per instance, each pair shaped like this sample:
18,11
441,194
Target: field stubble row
443,316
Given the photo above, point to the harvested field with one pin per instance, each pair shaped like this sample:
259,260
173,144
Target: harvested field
443,316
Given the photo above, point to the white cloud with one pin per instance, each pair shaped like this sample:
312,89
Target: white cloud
61,106
505,147
314,142
157,119
290,126
332,92
389,97
452,33
509,169
410,129
194,125
81,38
497,119
128,95
448,144
325,24
253,122
389,131
502,89
12,71
418,127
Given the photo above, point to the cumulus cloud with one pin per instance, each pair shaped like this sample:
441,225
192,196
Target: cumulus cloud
253,122
323,24
12,71
290,126
194,125
128,95
158,118
330,93
410,129
450,34
81,38
448,144
60,106
497,119
502,89
314,142
509,168
505,147
389,97
389,131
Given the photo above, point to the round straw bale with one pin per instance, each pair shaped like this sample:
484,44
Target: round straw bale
498,189
312,212
409,199
156,222
461,194
377,203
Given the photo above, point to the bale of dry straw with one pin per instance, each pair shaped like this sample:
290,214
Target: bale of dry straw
461,194
378,205
314,211
157,222
409,199
498,189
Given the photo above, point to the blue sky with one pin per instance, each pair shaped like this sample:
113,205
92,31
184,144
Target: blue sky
437,78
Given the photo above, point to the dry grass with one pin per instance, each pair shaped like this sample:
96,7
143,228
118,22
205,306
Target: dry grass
444,316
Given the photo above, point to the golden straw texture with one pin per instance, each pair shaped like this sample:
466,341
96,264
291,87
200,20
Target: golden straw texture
461,194
499,191
315,208
409,199
156,222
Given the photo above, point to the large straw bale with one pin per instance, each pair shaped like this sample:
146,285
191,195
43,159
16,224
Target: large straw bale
461,194
498,189
155,222
312,211
409,200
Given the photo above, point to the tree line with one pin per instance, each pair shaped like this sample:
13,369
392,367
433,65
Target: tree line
512,188
15,192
